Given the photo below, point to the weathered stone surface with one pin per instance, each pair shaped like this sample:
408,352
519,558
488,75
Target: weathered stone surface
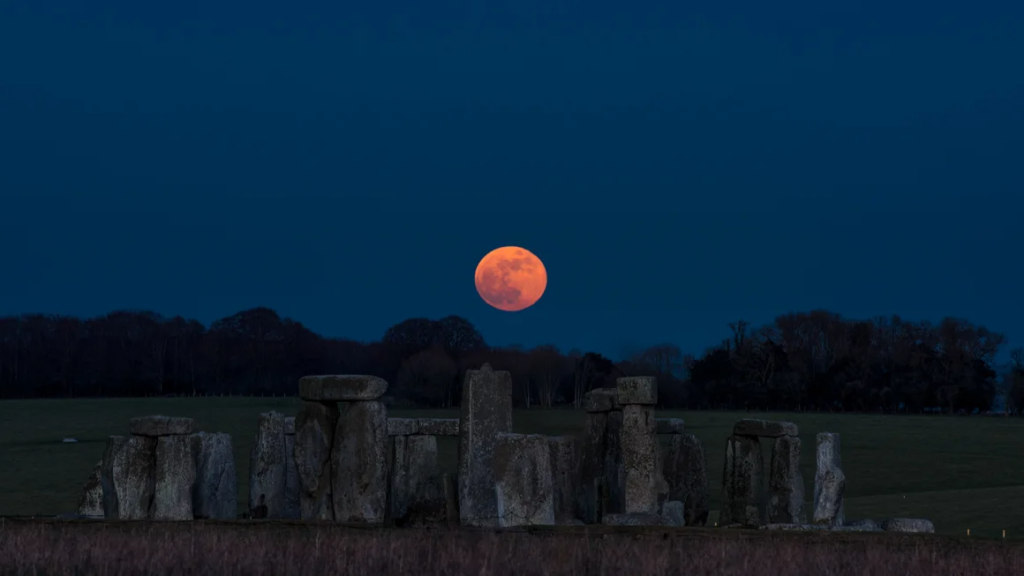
486,412
359,463
175,478
741,490
341,388
764,428
289,425
918,525
161,426
788,527
637,390
523,480
292,483
215,495
674,512
601,400
90,503
314,438
829,482
639,455
267,470
669,425
591,467
565,477
860,526
786,483
614,480
686,472
129,468
636,519
417,489
424,426
450,483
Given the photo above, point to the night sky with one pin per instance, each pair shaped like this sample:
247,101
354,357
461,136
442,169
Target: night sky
676,165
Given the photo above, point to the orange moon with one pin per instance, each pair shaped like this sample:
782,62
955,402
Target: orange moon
511,278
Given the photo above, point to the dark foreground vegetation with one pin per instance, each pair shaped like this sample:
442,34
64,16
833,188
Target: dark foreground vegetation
801,361
251,548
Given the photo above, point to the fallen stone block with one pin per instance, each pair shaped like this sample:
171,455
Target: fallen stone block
829,482
916,525
128,477
342,388
161,426
359,463
685,471
764,428
486,412
786,483
215,495
641,390
636,519
267,468
788,527
860,526
417,492
175,478
90,503
601,400
523,480
669,425
314,439
741,491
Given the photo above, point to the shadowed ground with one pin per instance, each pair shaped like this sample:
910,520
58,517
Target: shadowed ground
960,472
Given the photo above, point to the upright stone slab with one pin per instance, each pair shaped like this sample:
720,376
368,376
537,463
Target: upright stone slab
785,483
565,477
90,503
292,484
642,390
601,400
128,477
687,477
417,488
486,412
267,468
741,490
359,463
175,478
523,480
314,438
591,466
829,482
614,496
215,495
639,454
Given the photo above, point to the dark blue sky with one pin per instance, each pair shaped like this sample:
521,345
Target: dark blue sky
676,165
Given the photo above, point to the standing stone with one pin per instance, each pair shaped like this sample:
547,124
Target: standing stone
129,467
523,481
785,483
292,484
614,497
639,454
486,412
314,438
565,479
641,390
359,463
687,477
591,466
90,503
741,490
216,489
175,478
267,471
829,482
417,489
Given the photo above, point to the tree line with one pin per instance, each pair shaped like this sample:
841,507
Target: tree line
801,361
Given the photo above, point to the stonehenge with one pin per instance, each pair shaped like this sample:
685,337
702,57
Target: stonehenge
342,459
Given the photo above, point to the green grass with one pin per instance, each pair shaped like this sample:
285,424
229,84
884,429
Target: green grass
959,472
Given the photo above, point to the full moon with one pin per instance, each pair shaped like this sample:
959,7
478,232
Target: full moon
511,278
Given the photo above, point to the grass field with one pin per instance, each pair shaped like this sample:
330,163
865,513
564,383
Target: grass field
960,472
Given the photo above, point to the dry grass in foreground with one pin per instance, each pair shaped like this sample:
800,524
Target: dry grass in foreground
273,548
